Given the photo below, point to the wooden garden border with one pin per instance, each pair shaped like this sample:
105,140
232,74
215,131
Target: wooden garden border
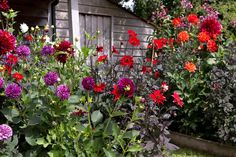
198,144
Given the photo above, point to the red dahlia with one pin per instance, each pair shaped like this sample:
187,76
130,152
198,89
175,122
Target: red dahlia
102,58
11,59
115,92
157,97
17,76
114,50
176,22
99,88
212,46
211,25
159,43
133,40
99,49
132,33
7,42
192,18
127,61
177,99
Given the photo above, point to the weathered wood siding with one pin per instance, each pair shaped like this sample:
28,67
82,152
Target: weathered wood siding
121,22
30,12
62,19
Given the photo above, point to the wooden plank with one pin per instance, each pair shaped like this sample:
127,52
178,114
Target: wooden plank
104,11
62,6
143,45
74,21
62,32
62,24
97,3
100,28
62,15
140,31
82,29
131,22
94,28
125,37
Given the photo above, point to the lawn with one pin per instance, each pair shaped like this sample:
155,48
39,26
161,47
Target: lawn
188,153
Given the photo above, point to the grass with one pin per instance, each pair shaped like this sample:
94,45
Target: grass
188,153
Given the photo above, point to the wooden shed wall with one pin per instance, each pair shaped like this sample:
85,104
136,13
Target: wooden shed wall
122,21
62,19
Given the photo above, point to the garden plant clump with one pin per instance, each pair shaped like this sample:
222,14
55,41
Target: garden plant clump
200,66
58,100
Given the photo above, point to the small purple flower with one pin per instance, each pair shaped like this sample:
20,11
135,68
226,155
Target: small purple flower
211,12
47,50
13,90
186,4
88,83
51,78
1,82
63,92
5,132
23,51
126,87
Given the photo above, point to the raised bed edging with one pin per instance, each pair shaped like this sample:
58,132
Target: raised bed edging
209,147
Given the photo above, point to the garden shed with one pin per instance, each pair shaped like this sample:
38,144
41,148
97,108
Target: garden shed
73,17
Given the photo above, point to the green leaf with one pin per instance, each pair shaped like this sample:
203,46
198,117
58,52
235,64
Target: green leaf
34,120
42,141
135,148
115,130
96,116
131,134
10,113
118,113
109,153
74,99
31,140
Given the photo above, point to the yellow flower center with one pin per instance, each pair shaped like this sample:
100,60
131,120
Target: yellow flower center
127,88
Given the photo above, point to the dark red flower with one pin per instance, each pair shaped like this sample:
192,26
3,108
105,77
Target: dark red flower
157,97
212,46
7,42
79,113
8,69
115,92
177,99
133,40
132,33
17,76
157,74
64,50
11,59
127,61
146,69
99,88
99,48
114,50
102,58
4,5
126,87
29,37
211,25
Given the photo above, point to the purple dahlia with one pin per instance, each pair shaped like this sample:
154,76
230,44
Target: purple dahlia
63,92
47,50
88,83
13,90
1,82
51,78
23,51
126,87
5,132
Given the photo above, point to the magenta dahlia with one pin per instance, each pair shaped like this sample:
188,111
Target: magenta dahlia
126,87
5,132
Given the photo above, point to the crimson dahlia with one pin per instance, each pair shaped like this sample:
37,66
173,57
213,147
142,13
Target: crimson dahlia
211,25
7,42
127,61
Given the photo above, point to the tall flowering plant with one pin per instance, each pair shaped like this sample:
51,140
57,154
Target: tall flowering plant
189,44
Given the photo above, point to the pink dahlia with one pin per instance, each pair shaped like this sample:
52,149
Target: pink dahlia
5,132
